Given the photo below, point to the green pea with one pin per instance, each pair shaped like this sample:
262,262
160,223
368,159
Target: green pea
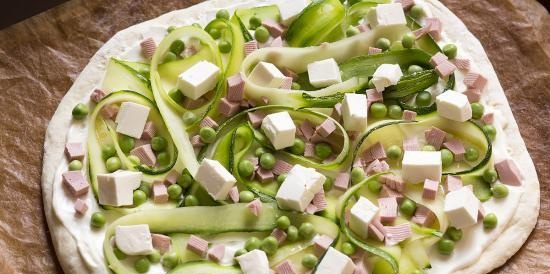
328,184
255,22
240,252
298,147
408,40
414,69
176,95
246,168
267,161
370,84
445,246
352,31
191,200
174,191
490,131
170,260
378,110
408,207
215,33
471,154
417,12
75,165
500,190
383,43
357,175
259,151
246,196
108,151
309,261
113,164
154,257
295,86
394,152
98,220
292,233
189,118
142,265
170,29
454,233
80,111
281,178
348,248
207,134
185,180
477,110
306,231
252,243
126,143
224,46
261,34
139,197
447,157
428,148
169,57
323,150
177,47
395,112
163,158
374,186
269,245
158,143
145,188
490,176
450,50
490,221
283,222
222,14
423,99
119,254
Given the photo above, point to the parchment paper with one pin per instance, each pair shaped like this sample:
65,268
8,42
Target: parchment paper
40,57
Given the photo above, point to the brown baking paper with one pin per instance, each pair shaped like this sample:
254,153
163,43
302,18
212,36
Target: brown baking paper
42,56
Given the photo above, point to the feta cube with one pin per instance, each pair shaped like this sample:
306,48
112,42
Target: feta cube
386,75
215,179
254,262
354,112
461,207
267,75
198,79
134,239
335,262
454,106
299,187
418,166
279,129
362,213
324,73
386,15
117,189
289,9
131,119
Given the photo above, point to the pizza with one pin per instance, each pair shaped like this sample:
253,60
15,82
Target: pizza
289,136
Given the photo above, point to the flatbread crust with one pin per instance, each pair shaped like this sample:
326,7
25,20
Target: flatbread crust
496,254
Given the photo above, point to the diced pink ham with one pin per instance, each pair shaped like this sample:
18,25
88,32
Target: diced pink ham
307,128
388,209
109,111
337,112
279,234
341,181
474,95
311,209
481,212
148,47
250,47
255,207
393,181
285,267
208,122
319,200
374,50
309,150
445,69
75,151
475,81
418,33
216,253
145,154
430,189
326,128
234,194
322,243
398,233
377,231
389,192
457,148
374,152
376,166
228,108
508,172
197,245
435,137
149,131
161,242
235,88
287,83
172,177
411,144
488,118
265,175
256,118
462,64
289,73
159,192
438,59
373,96
196,141
409,115
97,95
407,4
274,28
80,207
453,183
361,268
434,27
75,182
255,161
281,167
277,42
423,216
363,28
189,103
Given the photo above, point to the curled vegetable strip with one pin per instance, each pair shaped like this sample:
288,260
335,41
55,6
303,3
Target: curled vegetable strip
230,32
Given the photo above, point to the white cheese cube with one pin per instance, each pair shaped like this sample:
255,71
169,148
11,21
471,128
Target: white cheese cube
335,262
289,9
299,187
324,73
215,179
279,129
254,262
362,213
354,112
461,207
386,15
131,119
198,79
134,239
418,166
117,189
454,106
266,75
386,75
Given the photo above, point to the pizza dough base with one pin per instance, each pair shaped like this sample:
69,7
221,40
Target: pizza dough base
496,254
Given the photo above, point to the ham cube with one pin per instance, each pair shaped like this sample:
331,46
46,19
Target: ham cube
337,112
265,175
377,166
285,267
398,233
474,95
228,108
277,42
274,28
409,115
234,194
430,189
289,73
488,118
376,230
423,216
256,118
80,207
457,148
172,177
438,59
445,69
475,81
197,245
373,96
393,181
97,95
148,47
389,192
363,28
75,182
281,167
160,192
418,33
250,47
255,207
374,152
161,242
307,129
149,131
145,154
319,200
311,209
481,212
279,234
435,137
196,141
373,50
208,122
75,151
235,88
341,181
216,253
322,243
508,172
434,27
411,144
326,128
453,183
309,150
462,64
388,209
